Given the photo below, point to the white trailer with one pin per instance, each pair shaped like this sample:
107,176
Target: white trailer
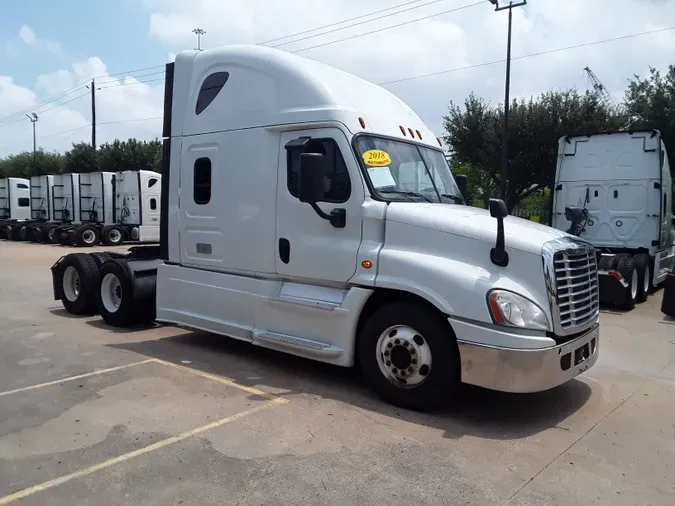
309,211
14,203
614,189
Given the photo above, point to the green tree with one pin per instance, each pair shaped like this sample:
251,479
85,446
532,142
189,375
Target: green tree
21,164
130,155
475,135
81,158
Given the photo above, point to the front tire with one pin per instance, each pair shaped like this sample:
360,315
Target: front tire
112,235
409,356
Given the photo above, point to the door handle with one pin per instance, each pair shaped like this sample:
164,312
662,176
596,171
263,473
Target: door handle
284,250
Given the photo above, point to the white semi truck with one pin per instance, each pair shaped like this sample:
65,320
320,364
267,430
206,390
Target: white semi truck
66,208
309,211
614,189
14,203
41,209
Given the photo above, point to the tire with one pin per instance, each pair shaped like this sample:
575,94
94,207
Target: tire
87,236
54,234
33,234
112,235
628,269
64,239
79,283
605,263
100,258
23,233
402,327
15,232
46,231
115,295
643,264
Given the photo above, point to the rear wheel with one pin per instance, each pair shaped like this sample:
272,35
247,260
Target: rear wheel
79,282
643,264
54,234
112,235
628,269
409,356
87,235
46,232
115,297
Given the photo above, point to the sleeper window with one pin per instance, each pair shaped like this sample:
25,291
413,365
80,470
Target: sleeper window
152,182
210,89
202,181
337,186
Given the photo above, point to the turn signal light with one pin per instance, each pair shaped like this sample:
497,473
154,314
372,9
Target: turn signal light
366,264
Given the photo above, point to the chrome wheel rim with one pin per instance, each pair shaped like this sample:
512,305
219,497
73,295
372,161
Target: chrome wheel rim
634,284
115,236
88,236
71,284
50,234
403,356
111,292
647,281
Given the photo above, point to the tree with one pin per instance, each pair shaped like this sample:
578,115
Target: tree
81,158
21,165
130,155
535,126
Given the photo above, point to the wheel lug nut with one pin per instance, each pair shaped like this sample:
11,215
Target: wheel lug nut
410,370
386,353
388,362
406,343
412,351
397,341
402,373
414,361
394,370
389,345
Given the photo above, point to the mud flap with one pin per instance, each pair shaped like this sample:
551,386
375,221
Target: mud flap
668,302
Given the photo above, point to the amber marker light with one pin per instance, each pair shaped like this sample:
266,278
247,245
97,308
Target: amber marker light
366,264
363,122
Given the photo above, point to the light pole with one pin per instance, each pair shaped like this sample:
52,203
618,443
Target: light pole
505,148
33,119
199,32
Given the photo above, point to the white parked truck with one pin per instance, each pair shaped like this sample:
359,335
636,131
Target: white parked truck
41,209
309,211
14,203
66,205
614,189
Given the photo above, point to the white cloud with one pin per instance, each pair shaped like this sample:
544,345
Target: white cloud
467,37
123,106
27,35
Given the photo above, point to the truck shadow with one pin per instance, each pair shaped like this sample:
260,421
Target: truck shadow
482,413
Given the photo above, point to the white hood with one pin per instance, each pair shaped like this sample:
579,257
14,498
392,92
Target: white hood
474,223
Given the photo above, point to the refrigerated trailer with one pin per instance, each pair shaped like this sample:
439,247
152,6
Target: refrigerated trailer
14,203
312,212
614,189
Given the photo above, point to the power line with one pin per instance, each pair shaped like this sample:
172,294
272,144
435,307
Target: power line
132,84
129,120
389,27
42,111
115,80
540,53
353,19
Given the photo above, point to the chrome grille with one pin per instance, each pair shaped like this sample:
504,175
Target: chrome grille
576,283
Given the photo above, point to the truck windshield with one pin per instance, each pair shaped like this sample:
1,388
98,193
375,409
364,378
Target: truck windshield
403,171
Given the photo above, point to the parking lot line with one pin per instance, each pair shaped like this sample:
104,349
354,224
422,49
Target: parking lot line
73,378
22,494
219,379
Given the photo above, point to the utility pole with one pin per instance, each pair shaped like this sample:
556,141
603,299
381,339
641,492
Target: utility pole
93,114
33,119
505,148
199,32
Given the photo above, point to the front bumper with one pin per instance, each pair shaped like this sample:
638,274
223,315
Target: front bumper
528,370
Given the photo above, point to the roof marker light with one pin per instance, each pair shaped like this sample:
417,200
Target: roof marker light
419,134
402,130
363,122
440,142
412,134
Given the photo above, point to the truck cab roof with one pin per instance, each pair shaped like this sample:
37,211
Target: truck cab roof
241,86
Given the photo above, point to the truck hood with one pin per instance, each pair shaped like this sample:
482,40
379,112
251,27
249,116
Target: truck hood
474,223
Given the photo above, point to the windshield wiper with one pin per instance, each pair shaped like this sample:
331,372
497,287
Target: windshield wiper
408,193
454,198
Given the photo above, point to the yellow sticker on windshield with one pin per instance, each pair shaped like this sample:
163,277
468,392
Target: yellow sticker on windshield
376,158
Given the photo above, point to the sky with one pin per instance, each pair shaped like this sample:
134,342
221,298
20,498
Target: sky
50,50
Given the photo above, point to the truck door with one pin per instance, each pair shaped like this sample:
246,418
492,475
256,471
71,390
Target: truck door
308,246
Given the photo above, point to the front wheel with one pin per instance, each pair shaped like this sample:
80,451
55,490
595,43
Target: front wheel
409,356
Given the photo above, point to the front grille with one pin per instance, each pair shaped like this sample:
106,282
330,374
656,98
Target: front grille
576,280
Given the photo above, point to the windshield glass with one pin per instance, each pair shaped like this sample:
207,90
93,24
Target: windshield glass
403,171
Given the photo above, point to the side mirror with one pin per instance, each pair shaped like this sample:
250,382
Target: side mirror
311,189
498,254
498,208
311,178
462,181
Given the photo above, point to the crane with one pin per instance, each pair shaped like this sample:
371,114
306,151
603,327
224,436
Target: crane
600,88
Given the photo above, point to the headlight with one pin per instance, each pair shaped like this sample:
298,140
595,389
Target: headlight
513,310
